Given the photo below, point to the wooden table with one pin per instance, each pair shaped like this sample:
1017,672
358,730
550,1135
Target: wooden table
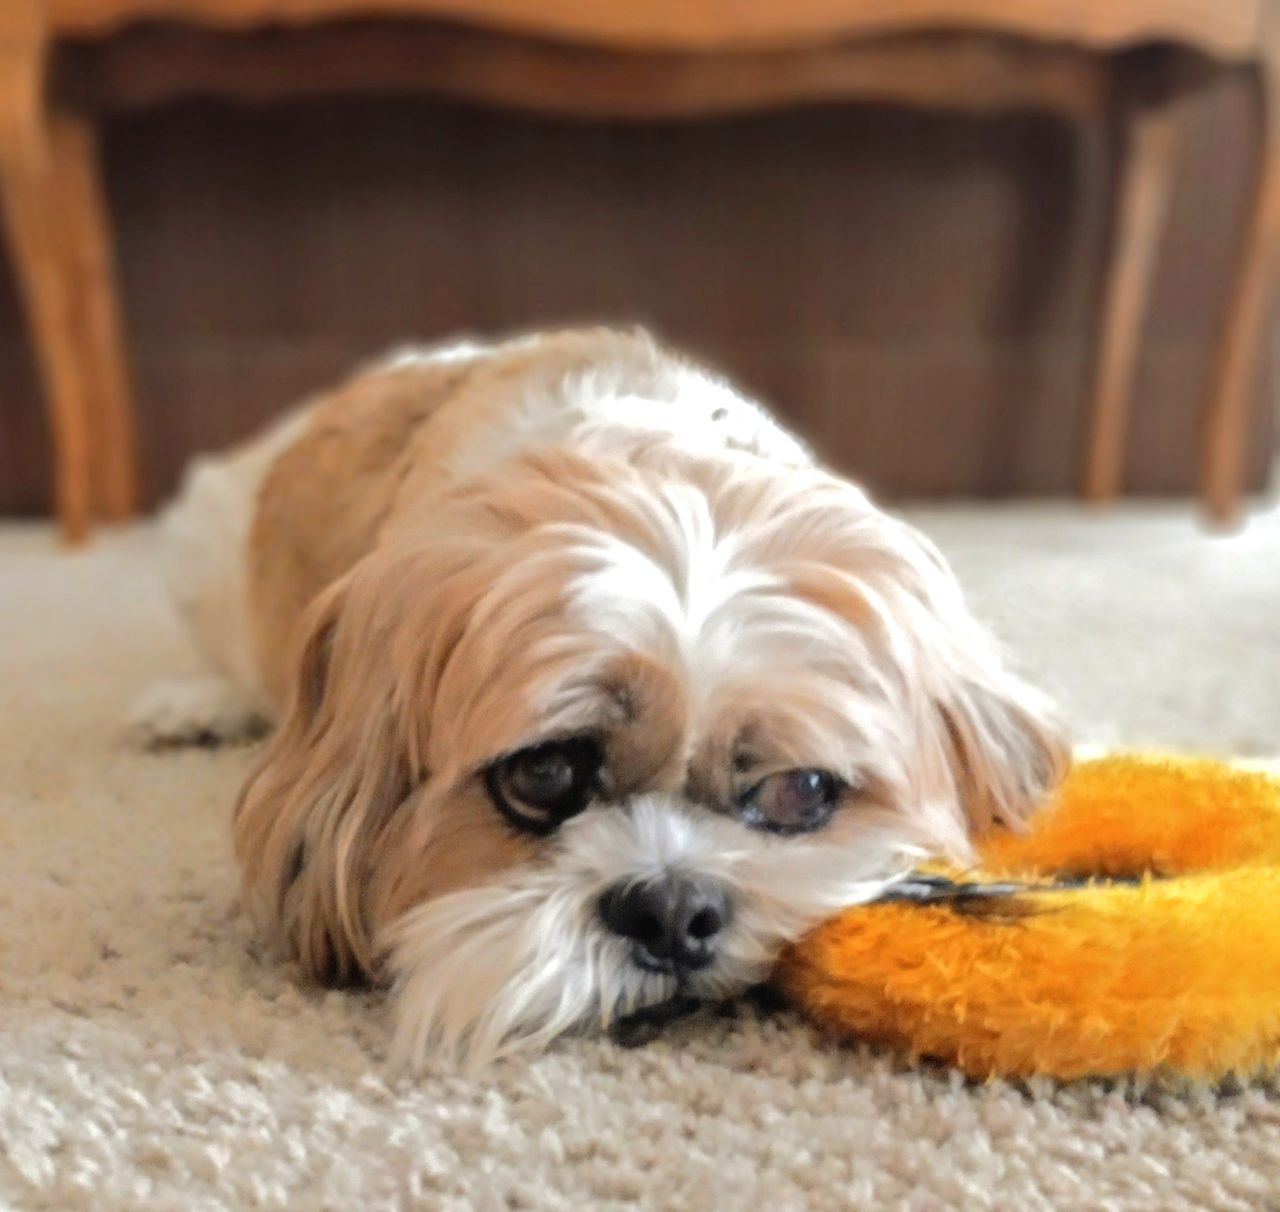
1123,61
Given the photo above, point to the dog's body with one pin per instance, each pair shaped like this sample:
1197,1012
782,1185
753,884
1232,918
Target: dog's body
592,690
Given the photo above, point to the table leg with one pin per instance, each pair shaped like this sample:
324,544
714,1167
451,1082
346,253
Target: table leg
1149,160
28,191
89,248
1226,417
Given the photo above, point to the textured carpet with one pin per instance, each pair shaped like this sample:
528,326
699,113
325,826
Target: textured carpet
149,1059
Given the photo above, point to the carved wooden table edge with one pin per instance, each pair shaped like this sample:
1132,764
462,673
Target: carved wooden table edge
586,59
1227,29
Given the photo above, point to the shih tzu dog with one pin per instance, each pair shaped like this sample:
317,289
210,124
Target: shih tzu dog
591,690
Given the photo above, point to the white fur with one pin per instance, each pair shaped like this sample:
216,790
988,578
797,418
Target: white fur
522,957
586,409
206,547
194,710
509,966
207,526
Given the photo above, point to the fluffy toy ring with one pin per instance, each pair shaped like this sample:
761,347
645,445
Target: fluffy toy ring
1137,929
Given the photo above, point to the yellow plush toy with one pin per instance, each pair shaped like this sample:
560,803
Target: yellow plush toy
1136,927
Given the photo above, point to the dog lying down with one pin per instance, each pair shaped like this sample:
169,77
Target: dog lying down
590,690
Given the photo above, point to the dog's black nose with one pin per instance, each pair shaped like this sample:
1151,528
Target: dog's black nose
673,922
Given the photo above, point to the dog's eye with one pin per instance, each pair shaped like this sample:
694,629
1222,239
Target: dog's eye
792,801
539,788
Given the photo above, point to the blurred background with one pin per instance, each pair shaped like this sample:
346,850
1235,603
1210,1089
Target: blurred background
918,288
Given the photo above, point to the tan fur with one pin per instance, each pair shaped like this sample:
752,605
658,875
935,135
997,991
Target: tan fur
373,452
413,623
325,499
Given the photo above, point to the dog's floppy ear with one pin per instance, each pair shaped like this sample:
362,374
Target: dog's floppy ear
1000,741
323,796
1006,747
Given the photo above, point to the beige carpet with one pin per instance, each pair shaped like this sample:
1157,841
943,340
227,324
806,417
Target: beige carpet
149,1060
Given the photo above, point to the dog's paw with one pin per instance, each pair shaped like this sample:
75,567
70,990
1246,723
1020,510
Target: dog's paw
196,710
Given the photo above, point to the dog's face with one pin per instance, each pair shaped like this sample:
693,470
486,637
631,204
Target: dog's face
614,733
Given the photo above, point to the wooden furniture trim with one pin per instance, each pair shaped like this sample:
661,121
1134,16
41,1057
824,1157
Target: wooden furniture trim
152,65
593,58
1227,28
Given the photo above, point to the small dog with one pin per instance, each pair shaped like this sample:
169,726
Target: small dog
592,691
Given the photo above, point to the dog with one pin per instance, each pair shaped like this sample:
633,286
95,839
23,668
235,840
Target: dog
591,690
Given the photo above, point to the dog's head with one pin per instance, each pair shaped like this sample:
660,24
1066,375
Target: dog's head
613,732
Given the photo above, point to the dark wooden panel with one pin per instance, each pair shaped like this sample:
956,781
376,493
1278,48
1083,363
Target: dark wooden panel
915,292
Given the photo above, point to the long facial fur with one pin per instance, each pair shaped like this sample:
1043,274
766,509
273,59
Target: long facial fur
510,965
698,608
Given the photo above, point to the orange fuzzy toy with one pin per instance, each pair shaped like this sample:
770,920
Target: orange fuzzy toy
1178,971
